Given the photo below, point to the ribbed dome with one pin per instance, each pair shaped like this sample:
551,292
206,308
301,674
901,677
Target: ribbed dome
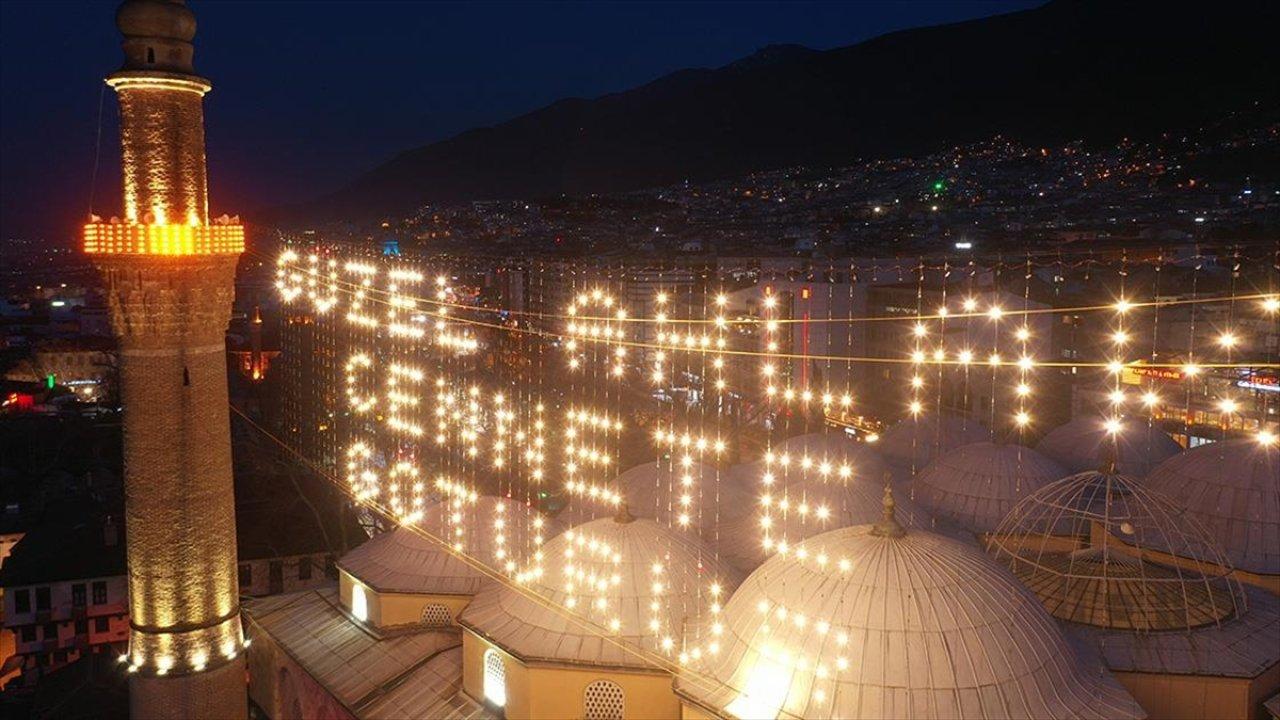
823,445
654,490
812,507
1084,444
605,571
1233,489
977,485
1080,544
498,532
916,442
881,626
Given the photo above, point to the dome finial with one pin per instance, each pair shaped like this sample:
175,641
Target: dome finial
888,525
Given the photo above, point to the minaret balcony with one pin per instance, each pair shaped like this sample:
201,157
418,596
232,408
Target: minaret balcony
142,239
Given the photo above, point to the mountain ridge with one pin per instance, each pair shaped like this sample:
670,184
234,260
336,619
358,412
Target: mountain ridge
1066,70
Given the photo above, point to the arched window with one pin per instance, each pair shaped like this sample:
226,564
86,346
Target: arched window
151,56
495,678
602,701
436,615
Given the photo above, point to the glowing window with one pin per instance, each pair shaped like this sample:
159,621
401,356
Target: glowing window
495,678
602,700
436,615
359,603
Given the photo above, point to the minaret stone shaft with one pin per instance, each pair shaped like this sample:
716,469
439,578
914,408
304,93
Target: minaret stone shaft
170,280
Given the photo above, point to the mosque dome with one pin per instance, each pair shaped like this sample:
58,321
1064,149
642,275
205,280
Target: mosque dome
161,19
975,486
915,442
1086,444
1233,489
803,502
876,621
1089,546
498,532
614,579
655,490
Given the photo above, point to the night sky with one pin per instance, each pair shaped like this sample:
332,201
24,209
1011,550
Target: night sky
308,95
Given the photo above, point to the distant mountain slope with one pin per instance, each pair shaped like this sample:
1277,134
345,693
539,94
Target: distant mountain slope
1095,69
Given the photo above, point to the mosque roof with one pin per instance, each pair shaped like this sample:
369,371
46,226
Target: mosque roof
878,621
1084,545
1233,489
977,485
652,580
406,674
407,560
915,442
1085,444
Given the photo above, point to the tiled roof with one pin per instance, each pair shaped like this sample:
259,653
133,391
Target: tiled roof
373,676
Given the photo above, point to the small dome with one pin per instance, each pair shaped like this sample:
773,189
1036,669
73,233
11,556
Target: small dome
599,583
1088,546
977,485
654,490
498,532
902,625
1233,489
1084,444
804,503
164,19
916,442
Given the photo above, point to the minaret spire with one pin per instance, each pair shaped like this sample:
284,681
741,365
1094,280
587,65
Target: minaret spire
888,525
169,279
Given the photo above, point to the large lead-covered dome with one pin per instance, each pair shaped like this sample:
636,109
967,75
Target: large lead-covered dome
1086,444
877,622
1233,489
977,485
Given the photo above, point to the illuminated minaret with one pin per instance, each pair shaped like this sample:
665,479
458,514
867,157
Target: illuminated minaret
169,276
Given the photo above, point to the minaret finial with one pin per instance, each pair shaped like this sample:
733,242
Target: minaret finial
888,525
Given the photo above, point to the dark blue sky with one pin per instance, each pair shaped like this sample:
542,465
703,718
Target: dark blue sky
308,95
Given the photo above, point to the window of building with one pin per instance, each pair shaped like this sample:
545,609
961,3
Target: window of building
28,633
495,678
436,615
22,601
101,624
246,575
78,595
602,700
51,631
82,627
304,568
99,592
42,598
